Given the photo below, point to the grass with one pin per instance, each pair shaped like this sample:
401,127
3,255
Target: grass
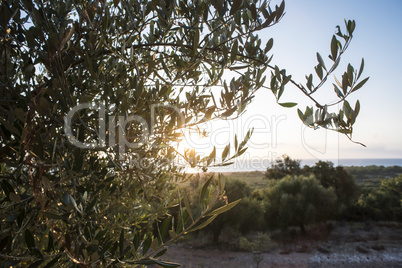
255,179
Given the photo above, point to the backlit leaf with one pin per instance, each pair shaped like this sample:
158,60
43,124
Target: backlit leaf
334,47
204,224
321,61
233,53
288,104
269,45
360,84
224,208
225,152
160,253
361,69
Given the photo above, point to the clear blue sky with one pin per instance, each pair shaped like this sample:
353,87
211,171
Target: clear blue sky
307,28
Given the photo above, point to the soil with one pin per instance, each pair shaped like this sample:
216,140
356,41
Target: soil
348,245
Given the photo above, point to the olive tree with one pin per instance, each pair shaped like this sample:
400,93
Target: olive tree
343,184
94,98
297,201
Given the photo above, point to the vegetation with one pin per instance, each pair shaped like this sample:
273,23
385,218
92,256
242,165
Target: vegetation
297,201
342,182
283,166
321,194
383,203
246,216
94,97
329,176
370,176
260,243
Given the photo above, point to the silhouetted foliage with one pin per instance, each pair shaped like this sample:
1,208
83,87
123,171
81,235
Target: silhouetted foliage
94,98
282,167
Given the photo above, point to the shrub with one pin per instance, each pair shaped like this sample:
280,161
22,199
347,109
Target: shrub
245,244
297,201
344,184
230,237
383,203
260,242
245,217
238,217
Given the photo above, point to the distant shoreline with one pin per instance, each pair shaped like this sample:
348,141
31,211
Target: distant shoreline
361,162
255,164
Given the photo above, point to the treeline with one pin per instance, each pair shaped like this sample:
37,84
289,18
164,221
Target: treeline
299,196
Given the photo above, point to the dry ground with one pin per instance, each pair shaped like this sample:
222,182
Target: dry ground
348,245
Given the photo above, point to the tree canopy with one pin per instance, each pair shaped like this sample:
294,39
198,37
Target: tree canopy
338,178
328,176
298,200
282,167
94,96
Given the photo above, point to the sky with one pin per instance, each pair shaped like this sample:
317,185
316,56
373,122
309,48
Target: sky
307,28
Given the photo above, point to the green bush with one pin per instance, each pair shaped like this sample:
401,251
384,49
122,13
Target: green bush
236,189
344,184
384,203
230,236
341,181
260,242
297,201
245,217
245,244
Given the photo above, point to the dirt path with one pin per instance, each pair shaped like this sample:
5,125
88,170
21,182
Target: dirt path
191,258
356,245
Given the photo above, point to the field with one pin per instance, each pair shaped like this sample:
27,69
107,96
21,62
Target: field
365,177
331,244
254,179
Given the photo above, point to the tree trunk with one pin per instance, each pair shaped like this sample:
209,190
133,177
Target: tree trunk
216,233
302,229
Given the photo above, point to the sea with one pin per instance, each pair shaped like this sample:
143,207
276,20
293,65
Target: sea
262,164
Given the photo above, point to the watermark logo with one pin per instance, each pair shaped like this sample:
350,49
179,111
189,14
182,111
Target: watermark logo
116,131
109,129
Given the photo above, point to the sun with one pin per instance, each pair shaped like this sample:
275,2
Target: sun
196,141
199,141
213,135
